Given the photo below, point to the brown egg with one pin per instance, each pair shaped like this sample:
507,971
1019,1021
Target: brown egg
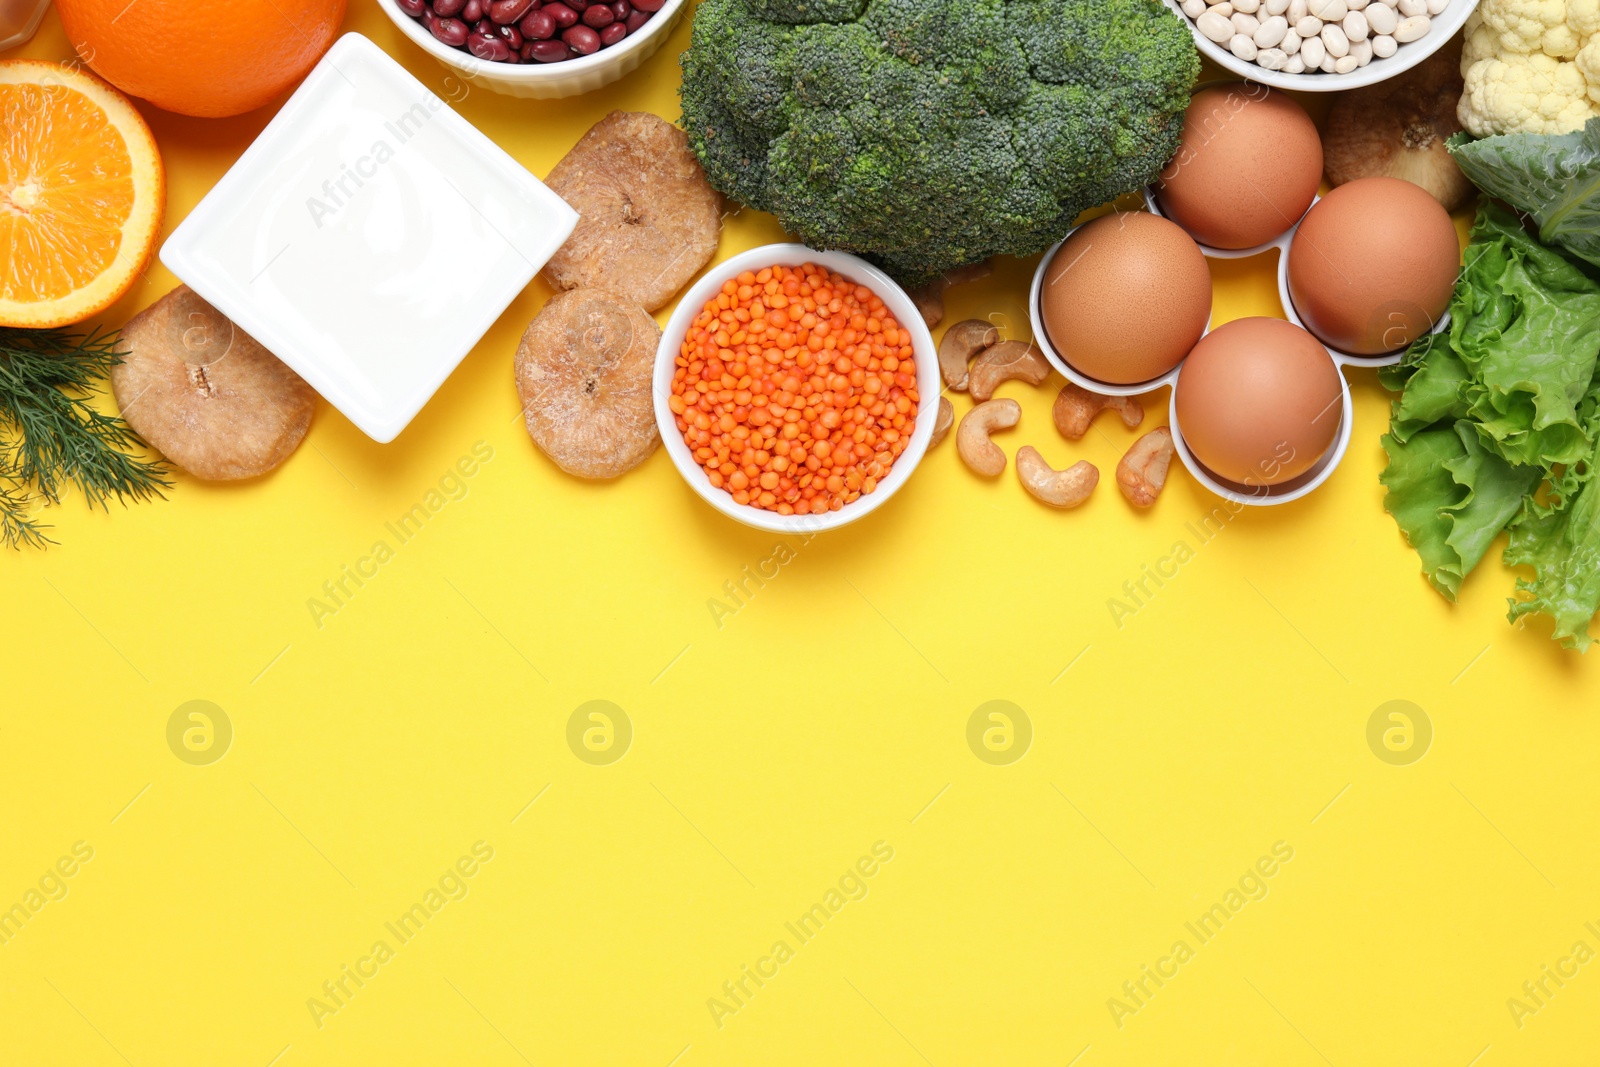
1373,266
1259,401
1248,167
1126,297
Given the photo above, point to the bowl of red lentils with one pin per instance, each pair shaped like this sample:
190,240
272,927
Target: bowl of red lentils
796,390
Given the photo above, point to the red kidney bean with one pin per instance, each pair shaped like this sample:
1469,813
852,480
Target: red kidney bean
526,51
564,15
414,8
472,11
489,47
622,9
550,51
505,12
582,40
637,19
452,32
580,6
538,26
651,6
511,36
613,33
448,9
483,26
598,17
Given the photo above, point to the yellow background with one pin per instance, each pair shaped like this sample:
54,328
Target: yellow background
828,714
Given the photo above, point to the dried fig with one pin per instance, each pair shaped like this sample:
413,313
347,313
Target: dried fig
648,219
206,394
1398,129
583,373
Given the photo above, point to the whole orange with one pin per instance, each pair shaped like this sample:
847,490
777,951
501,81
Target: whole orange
207,59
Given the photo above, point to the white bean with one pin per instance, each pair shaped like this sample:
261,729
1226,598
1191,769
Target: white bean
1337,44
1381,19
1413,7
1309,26
1436,7
1194,8
1362,50
1298,9
1272,58
1276,7
1356,5
1327,64
1411,29
1345,64
1311,52
1272,32
1248,7
1383,47
1329,10
1291,44
1295,65
1246,24
1215,27
1355,26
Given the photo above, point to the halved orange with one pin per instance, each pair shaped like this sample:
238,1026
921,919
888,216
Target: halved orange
82,193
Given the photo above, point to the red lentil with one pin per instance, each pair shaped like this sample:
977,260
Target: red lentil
796,390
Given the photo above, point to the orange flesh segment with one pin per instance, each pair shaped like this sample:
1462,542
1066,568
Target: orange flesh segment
66,191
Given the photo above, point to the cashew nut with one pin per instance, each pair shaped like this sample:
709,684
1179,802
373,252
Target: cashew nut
1006,362
1076,408
1059,489
972,436
961,342
1142,474
943,421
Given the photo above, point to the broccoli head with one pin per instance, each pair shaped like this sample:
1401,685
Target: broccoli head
929,134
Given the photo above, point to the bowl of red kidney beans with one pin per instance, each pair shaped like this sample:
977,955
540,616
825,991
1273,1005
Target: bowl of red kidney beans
537,48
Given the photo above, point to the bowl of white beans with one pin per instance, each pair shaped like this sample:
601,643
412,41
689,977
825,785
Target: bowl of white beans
1321,45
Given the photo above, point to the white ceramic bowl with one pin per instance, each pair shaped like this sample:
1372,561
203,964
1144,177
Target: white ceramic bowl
1253,495
23,18
1445,26
545,81
369,237
857,270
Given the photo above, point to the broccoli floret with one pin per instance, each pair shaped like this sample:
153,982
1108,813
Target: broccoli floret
928,134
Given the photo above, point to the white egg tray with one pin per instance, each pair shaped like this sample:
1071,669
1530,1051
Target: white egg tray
1252,495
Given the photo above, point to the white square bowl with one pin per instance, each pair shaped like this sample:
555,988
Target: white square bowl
369,237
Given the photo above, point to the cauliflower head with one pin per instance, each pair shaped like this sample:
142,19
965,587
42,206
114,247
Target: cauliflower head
1531,66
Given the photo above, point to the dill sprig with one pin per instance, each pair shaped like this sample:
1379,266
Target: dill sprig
52,438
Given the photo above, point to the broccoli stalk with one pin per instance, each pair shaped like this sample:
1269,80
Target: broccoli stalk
930,134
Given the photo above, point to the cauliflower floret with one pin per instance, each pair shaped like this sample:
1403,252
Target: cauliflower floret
1531,66
1529,26
1588,62
1584,17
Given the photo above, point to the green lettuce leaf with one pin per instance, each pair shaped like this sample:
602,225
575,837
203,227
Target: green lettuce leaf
1554,179
1451,497
1562,545
1526,324
1434,379
1498,427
